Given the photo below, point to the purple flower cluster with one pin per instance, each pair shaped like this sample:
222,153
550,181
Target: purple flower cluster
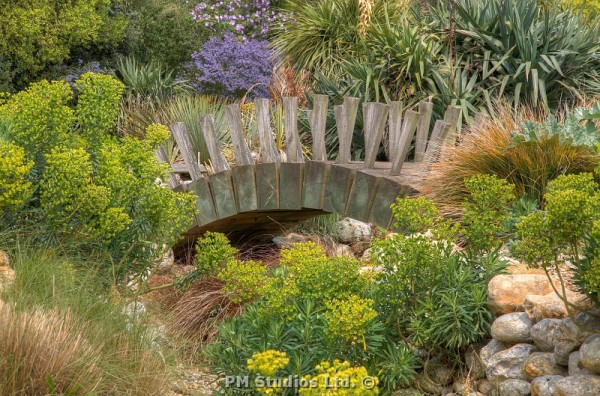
247,19
231,68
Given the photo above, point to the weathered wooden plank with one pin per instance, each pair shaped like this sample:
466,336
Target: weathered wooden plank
185,147
316,174
291,183
318,121
223,195
293,145
387,192
395,127
425,111
218,161
243,156
161,156
244,186
267,185
268,148
345,118
452,117
335,196
440,130
411,118
206,208
361,196
374,122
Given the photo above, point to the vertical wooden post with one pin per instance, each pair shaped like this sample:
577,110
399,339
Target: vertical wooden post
345,118
268,149
374,115
395,127
218,161
425,109
293,146
161,156
185,147
440,130
236,129
411,119
452,117
318,121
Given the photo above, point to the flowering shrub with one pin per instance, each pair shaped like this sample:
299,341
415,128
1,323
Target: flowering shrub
245,18
91,188
14,170
245,281
340,378
268,362
229,67
349,319
569,226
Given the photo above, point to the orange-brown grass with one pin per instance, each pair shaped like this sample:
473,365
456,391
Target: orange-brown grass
201,308
34,345
486,147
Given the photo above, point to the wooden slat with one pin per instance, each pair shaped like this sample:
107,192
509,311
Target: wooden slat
374,115
452,117
440,130
185,147
268,149
218,161
293,146
243,156
425,111
318,121
345,118
411,119
161,156
395,127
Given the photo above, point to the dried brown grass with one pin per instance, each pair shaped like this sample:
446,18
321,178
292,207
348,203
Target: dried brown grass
486,149
34,345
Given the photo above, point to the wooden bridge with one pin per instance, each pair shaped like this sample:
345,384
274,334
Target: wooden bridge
262,196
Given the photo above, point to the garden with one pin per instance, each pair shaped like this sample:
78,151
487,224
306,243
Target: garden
486,282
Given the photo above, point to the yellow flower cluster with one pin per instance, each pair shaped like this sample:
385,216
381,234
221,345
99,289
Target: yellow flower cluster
349,318
14,168
245,281
339,378
268,362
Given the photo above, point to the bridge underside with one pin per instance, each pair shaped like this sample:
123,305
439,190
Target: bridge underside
265,199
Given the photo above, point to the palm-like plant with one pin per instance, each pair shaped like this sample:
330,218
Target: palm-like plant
542,56
149,79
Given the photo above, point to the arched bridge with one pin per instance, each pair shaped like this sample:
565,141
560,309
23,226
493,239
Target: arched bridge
252,196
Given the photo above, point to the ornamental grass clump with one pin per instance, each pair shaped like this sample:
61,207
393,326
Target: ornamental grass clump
498,146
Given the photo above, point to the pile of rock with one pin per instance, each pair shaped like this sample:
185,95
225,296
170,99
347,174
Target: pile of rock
535,348
7,274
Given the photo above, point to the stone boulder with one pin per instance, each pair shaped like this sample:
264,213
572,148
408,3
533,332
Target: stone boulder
7,274
540,364
550,305
590,353
570,335
514,387
578,385
543,333
508,364
352,231
506,293
341,250
512,328
475,365
428,386
489,350
288,240
575,366
545,386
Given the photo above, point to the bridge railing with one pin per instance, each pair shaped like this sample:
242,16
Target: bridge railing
402,128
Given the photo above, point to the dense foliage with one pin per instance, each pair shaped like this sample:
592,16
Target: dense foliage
85,184
37,34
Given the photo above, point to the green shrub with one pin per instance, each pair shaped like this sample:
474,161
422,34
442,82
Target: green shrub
245,281
14,172
94,190
349,319
213,251
568,228
39,33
